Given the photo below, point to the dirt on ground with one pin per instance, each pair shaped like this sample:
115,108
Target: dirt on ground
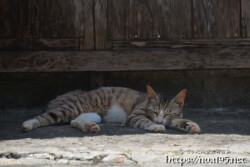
224,141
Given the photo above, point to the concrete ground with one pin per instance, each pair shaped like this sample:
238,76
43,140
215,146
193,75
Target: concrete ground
224,141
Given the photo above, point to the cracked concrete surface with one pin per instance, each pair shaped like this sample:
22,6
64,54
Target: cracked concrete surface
224,134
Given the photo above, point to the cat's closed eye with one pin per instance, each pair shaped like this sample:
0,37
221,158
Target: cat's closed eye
166,114
155,113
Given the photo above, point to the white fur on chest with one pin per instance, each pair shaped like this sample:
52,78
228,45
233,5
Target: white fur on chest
115,115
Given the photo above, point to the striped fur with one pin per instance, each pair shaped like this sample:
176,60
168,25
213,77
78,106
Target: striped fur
142,110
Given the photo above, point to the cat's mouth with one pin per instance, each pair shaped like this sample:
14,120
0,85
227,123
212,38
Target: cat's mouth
161,123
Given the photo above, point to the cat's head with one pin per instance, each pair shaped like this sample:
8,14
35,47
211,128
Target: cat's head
162,112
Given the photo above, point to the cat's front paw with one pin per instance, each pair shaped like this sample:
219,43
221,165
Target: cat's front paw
191,127
156,128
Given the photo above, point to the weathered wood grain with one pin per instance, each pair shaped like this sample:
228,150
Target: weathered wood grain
63,18
39,44
87,38
121,19
31,18
125,60
184,43
101,27
163,19
9,19
245,18
216,18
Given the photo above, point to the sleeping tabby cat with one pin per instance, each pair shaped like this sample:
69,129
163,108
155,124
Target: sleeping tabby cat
115,105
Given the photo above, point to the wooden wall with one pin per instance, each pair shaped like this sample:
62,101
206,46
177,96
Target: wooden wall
33,34
172,44
46,25
98,24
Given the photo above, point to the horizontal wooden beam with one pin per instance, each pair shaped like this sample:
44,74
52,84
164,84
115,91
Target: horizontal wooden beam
71,44
184,43
125,60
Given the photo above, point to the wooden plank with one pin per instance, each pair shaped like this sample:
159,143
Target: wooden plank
121,19
245,18
73,44
87,38
39,44
9,19
63,18
163,19
183,43
31,18
216,18
125,60
101,27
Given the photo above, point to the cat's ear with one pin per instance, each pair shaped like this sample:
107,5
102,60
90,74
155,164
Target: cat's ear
151,93
180,97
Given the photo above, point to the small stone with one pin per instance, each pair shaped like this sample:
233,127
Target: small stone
51,157
30,155
41,155
119,159
63,161
98,159
58,156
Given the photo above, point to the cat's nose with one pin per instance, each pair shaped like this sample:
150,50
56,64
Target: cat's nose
159,120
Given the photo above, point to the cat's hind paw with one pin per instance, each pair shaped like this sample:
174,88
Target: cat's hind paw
191,127
85,126
30,124
93,127
156,128
27,127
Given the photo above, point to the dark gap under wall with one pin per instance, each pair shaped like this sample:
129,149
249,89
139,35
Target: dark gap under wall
206,88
